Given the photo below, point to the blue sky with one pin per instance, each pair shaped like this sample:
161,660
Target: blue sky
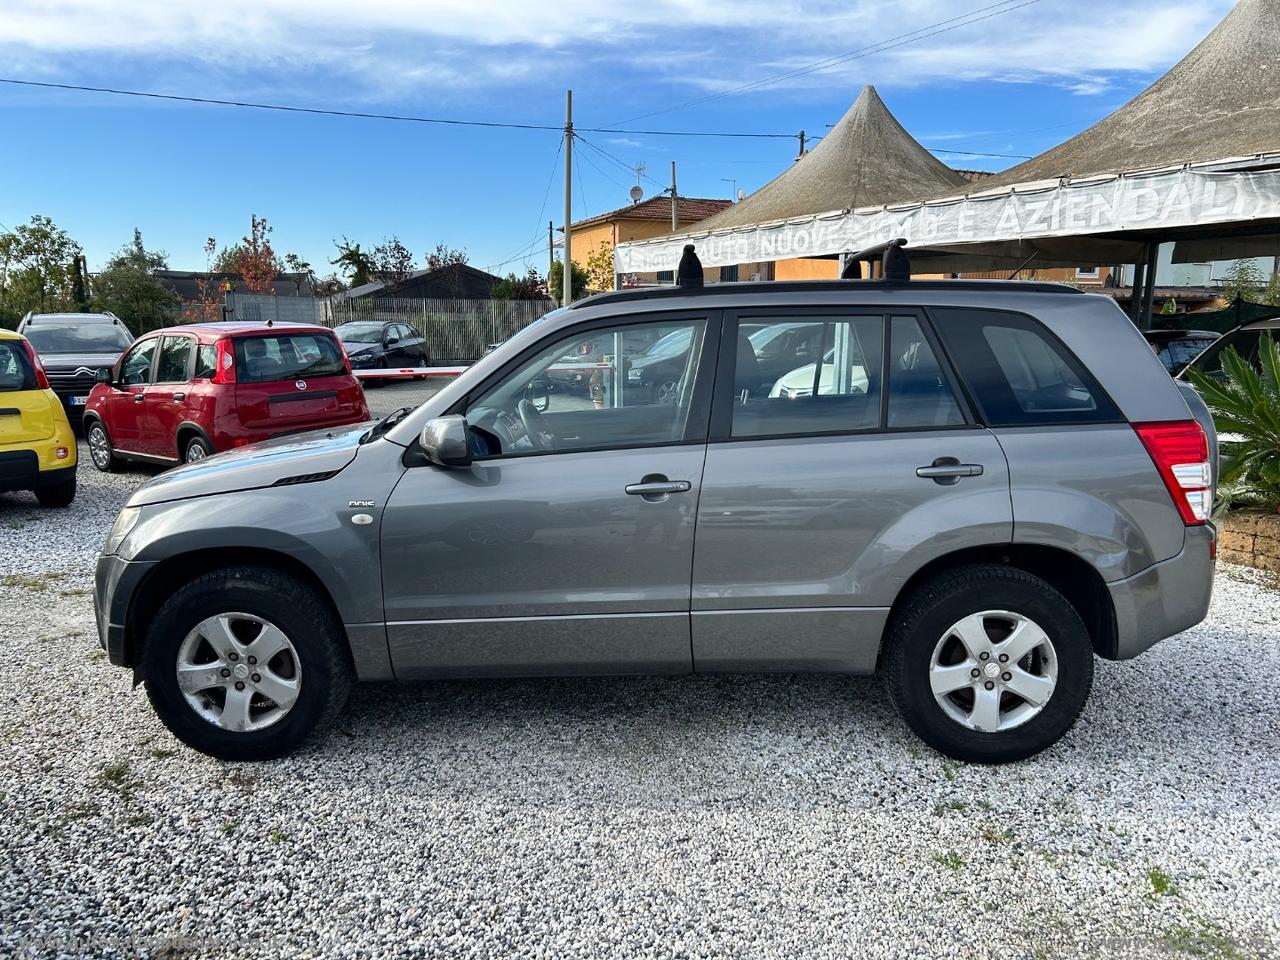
1016,83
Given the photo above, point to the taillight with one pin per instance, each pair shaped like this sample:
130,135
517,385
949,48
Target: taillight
42,381
1180,451
225,371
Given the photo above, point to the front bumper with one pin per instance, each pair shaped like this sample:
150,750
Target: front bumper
1167,597
114,583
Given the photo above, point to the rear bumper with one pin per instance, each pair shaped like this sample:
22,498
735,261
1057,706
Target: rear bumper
114,583
20,470
1167,597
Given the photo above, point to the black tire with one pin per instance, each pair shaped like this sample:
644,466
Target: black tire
195,449
925,616
102,454
298,610
57,494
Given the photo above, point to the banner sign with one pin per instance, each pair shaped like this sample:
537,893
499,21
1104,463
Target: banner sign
1153,200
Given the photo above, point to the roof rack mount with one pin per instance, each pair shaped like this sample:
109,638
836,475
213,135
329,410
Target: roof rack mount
895,262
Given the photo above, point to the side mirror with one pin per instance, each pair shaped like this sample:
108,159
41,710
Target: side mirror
391,340
103,375
444,441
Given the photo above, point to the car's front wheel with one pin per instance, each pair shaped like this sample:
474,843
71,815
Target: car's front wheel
988,663
100,452
244,663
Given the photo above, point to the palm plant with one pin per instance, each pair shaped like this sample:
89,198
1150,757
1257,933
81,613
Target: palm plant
1245,404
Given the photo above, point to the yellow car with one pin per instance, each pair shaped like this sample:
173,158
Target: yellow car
37,447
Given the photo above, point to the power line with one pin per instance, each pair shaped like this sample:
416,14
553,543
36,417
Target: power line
922,33
361,115
527,249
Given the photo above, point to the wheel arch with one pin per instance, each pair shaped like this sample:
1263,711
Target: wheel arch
172,573
1072,576
188,429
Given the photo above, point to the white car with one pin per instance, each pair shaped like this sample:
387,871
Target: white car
799,382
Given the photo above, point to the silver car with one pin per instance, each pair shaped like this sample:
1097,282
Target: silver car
987,486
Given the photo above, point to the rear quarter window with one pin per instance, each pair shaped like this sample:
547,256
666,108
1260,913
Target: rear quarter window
1019,373
287,356
15,372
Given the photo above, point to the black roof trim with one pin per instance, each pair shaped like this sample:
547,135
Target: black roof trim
823,286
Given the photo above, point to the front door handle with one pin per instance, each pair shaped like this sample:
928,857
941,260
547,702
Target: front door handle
655,488
138,398
179,397
948,470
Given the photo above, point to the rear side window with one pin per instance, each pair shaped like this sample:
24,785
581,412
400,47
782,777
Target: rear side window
175,352
206,362
287,356
1019,372
15,372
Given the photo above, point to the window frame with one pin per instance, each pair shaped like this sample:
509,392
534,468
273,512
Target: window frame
192,345
139,344
722,405
696,424
1091,383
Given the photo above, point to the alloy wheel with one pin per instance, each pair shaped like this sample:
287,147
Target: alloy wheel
239,672
993,671
99,447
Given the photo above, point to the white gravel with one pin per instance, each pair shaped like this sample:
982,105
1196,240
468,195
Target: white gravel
692,817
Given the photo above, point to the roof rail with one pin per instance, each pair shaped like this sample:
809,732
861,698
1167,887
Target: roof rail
895,264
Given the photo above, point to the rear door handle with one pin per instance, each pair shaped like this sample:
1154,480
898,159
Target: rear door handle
138,398
948,470
179,396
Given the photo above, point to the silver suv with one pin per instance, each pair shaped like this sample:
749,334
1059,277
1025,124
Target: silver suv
983,487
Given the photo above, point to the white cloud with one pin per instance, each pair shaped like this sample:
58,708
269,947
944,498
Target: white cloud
383,50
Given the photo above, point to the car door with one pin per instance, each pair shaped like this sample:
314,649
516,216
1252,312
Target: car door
166,397
818,503
124,408
567,546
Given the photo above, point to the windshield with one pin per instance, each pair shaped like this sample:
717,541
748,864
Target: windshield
360,333
15,371
286,356
1244,342
78,338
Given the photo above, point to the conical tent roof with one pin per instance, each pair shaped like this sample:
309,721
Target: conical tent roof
866,159
1221,100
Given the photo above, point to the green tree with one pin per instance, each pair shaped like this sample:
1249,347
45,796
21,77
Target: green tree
555,282
34,260
357,264
600,267
1271,295
531,286
301,270
448,263
392,262
1170,307
129,288
1242,281
79,291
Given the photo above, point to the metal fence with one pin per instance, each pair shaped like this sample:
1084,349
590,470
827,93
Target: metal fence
456,331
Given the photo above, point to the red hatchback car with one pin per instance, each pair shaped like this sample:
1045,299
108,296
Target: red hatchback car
183,393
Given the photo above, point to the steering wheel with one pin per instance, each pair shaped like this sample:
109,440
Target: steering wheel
535,426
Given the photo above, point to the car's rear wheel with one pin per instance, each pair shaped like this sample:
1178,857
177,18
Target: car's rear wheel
197,448
100,451
988,663
244,663
57,494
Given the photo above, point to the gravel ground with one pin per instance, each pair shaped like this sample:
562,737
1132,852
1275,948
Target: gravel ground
689,817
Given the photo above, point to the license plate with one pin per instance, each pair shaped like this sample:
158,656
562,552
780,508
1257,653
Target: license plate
79,401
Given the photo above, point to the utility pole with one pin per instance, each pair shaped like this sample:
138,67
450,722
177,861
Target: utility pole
675,214
802,143
568,198
551,247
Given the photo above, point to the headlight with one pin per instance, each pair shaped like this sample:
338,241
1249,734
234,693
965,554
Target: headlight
126,520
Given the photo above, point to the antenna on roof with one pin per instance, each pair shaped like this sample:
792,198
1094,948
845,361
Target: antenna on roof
895,264
689,273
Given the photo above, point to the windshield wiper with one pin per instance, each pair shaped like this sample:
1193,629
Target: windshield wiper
386,423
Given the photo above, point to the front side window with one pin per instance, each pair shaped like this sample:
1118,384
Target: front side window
136,368
175,352
16,372
1019,372
287,356
807,376
616,387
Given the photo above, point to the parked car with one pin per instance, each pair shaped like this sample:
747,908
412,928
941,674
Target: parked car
1016,487
184,393
1177,348
73,347
373,344
37,446
1243,339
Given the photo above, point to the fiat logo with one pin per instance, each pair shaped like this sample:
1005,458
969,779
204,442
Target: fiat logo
300,384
